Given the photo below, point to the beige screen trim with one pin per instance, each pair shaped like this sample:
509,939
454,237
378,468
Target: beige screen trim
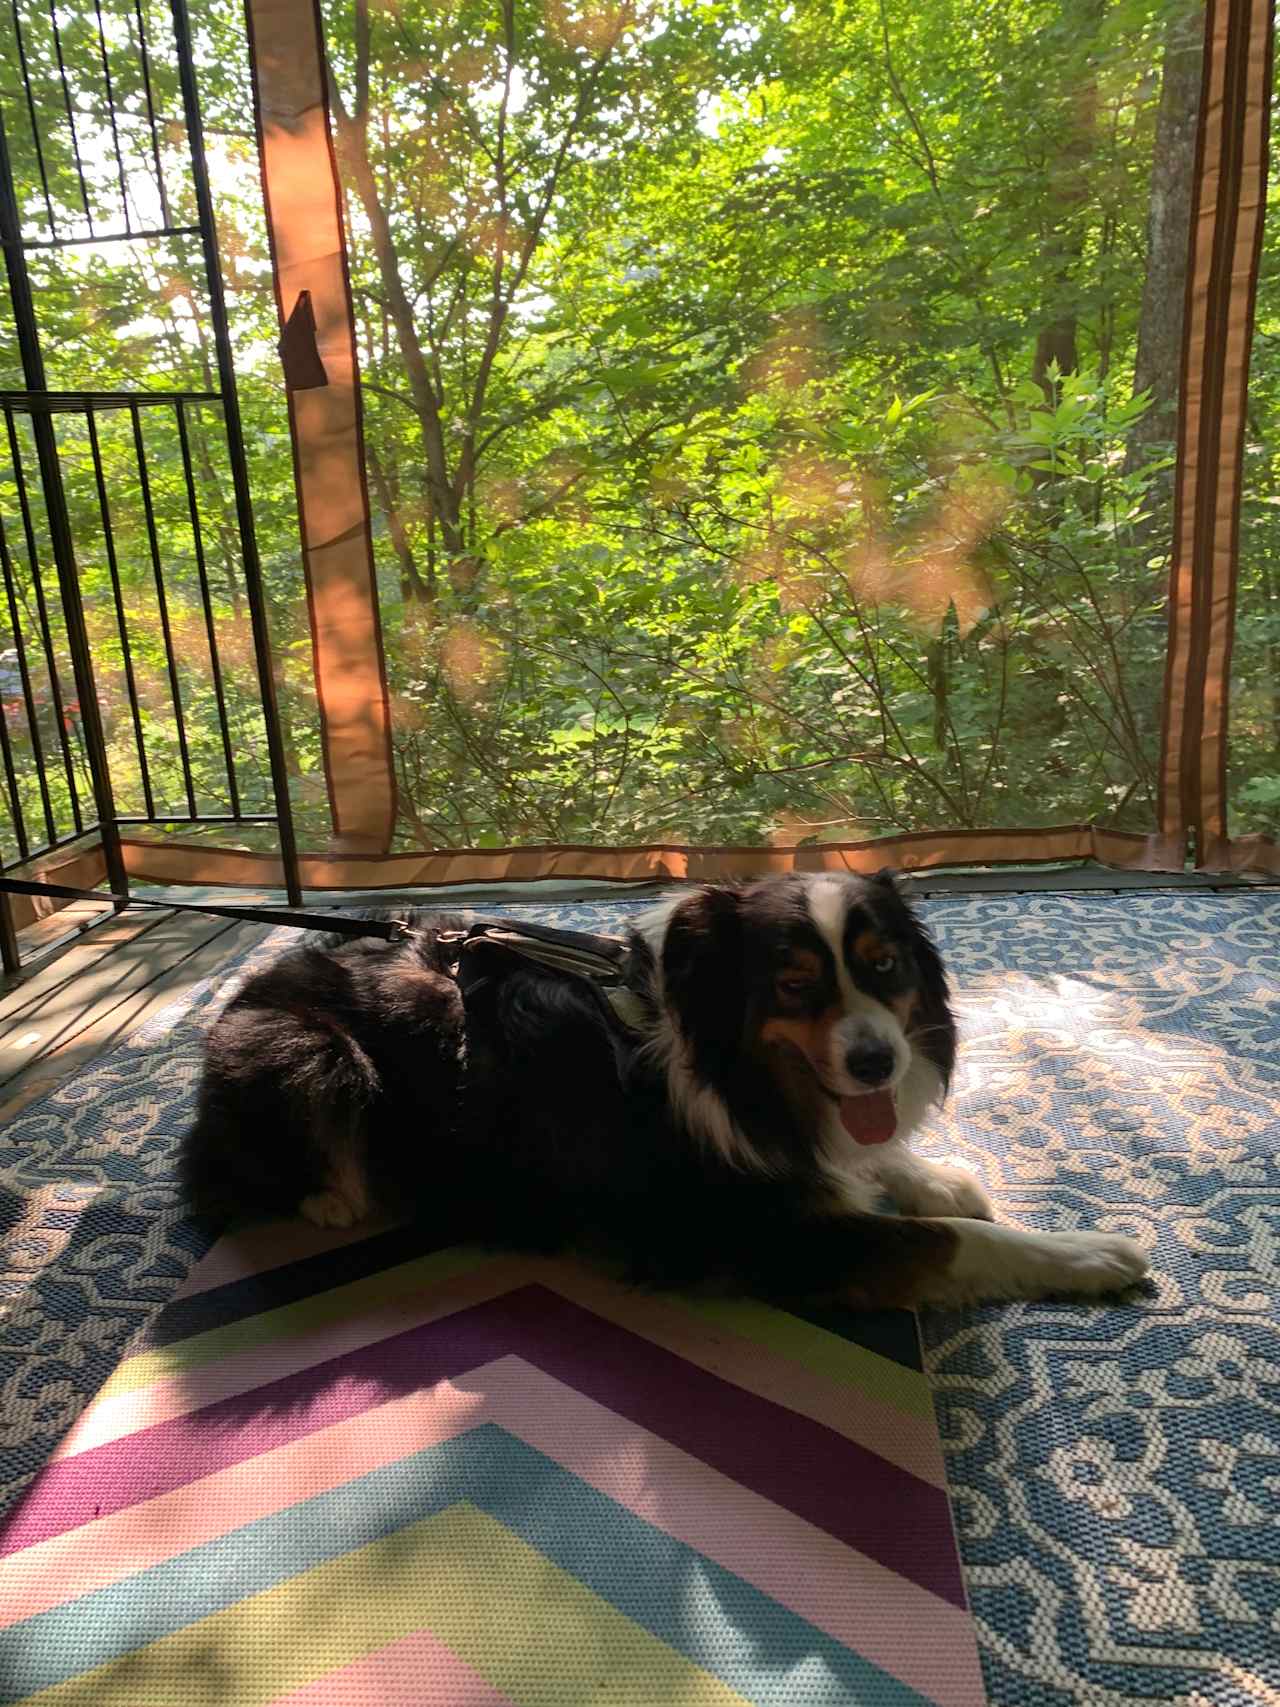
179,862
304,220
1226,233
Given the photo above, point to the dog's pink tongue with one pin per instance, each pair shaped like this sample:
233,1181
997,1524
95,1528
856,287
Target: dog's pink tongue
869,1119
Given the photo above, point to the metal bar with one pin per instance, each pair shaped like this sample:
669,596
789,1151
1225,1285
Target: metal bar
145,62
26,328
6,750
35,127
57,843
205,600
11,787
128,236
111,110
390,930
204,818
11,774
10,953
121,620
77,402
42,608
15,623
71,118
162,603
78,645
235,447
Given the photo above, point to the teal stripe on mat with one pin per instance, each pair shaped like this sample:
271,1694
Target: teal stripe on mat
714,1618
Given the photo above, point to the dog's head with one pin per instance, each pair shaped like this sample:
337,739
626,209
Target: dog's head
802,1007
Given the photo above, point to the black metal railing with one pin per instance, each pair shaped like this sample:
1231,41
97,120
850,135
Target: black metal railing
121,115
109,493
103,492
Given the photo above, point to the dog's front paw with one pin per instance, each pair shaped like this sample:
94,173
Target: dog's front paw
993,1261
1093,1263
936,1188
329,1209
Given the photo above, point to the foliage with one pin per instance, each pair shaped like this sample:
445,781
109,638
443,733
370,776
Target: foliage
749,395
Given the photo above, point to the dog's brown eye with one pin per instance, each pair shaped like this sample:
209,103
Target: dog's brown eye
886,963
795,986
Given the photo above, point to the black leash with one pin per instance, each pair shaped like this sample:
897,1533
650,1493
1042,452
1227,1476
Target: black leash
599,960
390,930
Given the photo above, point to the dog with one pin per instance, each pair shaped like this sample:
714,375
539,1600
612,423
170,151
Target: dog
787,1037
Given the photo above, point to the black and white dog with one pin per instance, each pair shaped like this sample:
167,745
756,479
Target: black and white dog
788,1036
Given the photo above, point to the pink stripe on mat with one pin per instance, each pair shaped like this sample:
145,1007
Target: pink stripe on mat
908,1441
244,1371
870,1504
926,1643
416,1671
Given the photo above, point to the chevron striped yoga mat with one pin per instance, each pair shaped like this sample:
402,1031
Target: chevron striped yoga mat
339,1472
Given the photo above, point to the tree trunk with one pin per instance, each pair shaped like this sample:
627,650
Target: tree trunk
1068,189
1157,367
354,155
414,589
351,135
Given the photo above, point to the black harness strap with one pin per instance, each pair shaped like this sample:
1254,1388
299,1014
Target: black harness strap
600,960
580,952
390,930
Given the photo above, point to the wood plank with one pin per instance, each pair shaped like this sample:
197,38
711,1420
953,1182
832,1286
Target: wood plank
37,941
79,868
24,995
113,1019
113,977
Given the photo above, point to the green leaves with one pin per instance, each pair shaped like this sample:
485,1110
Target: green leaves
767,527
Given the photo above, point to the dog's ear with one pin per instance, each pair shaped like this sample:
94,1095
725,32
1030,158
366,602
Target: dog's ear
934,1016
703,974
893,891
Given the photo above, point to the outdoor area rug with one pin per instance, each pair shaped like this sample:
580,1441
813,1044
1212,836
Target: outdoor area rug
369,1477
1114,1471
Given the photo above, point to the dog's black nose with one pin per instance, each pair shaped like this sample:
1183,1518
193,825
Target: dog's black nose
870,1063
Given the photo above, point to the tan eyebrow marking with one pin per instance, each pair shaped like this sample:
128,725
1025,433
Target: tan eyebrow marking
803,963
812,1037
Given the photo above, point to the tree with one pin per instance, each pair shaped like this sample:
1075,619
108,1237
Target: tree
1157,366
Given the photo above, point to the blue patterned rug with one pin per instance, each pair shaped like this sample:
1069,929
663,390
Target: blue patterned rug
1115,1472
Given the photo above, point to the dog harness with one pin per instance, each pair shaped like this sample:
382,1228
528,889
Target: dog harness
602,961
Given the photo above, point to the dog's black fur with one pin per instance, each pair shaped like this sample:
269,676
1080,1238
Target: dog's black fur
523,1114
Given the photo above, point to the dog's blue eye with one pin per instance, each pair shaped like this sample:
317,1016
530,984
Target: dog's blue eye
886,963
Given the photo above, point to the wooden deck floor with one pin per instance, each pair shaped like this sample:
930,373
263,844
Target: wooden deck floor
89,977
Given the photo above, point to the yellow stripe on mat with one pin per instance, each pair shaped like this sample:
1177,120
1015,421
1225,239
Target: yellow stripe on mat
498,1603
821,1352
